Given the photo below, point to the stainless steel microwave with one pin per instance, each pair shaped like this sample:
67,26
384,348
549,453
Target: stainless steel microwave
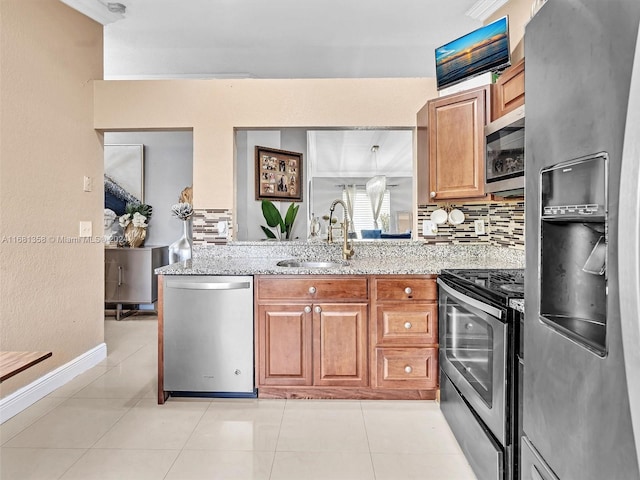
504,154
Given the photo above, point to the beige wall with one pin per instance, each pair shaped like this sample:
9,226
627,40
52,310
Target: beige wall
214,107
51,292
519,12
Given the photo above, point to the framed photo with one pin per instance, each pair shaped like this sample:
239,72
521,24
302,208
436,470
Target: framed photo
124,164
278,174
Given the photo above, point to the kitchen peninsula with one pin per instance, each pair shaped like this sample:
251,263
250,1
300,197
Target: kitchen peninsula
380,257
362,328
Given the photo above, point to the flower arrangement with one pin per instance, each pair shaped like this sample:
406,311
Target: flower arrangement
182,210
137,214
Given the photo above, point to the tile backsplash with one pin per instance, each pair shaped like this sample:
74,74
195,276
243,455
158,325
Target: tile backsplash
503,222
206,224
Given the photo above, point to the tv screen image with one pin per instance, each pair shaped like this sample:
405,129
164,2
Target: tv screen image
483,50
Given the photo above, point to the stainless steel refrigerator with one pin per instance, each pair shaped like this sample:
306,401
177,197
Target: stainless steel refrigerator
582,321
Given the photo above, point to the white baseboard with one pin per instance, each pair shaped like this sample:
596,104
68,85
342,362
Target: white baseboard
28,395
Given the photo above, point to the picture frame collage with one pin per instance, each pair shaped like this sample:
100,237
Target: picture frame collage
278,174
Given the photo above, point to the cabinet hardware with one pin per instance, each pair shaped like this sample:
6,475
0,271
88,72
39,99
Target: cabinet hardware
407,325
408,290
408,369
318,310
307,309
312,290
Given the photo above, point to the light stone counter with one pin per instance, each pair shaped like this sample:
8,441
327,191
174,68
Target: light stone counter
391,257
517,304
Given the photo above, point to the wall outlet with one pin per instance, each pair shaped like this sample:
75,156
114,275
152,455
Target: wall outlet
87,184
479,227
222,228
86,229
429,228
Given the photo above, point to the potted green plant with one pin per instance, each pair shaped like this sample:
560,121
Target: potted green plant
275,221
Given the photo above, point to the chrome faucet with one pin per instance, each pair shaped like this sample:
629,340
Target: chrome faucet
347,247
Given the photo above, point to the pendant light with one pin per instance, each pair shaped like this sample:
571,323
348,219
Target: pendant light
375,188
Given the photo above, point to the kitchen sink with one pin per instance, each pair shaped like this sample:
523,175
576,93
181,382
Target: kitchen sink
311,264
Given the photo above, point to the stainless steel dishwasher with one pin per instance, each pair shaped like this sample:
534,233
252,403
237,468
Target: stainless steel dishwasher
208,335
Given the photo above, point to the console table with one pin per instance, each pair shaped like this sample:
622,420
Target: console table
129,276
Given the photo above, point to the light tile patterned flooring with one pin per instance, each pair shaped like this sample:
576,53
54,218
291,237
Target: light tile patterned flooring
106,424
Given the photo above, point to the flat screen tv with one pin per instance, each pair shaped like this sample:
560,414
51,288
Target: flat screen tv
483,50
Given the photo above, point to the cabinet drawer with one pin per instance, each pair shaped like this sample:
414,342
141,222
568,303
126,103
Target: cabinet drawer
407,324
312,288
406,289
406,368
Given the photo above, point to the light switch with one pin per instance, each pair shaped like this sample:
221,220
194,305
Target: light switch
479,227
87,184
429,228
222,228
86,229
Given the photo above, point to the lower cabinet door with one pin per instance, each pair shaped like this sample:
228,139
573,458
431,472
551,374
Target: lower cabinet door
415,368
340,332
284,345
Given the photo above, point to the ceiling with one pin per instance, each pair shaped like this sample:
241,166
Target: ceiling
281,38
348,153
290,39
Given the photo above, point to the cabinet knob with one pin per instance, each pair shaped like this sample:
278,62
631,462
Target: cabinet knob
408,290
469,326
407,325
237,371
307,309
317,310
312,290
408,369
433,195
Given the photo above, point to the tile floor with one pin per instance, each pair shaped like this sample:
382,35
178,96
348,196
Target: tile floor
106,424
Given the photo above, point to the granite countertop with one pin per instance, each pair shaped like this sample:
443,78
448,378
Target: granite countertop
517,304
378,259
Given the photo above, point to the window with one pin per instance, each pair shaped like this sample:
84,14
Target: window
362,214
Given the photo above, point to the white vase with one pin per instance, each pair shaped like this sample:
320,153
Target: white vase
181,249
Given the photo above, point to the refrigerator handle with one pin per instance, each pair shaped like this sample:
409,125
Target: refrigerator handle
629,248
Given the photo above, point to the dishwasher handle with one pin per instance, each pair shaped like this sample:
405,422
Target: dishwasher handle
209,285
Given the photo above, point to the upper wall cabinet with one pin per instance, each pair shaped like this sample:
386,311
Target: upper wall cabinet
508,91
451,146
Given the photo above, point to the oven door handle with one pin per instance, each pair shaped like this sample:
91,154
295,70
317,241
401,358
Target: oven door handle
494,312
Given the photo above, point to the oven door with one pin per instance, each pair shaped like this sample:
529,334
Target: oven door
473,352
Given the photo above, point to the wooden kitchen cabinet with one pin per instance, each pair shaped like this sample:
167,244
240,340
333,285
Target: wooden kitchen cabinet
507,93
340,334
404,336
312,331
451,146
284,339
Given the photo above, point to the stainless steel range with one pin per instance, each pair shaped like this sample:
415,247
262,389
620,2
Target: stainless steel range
479,337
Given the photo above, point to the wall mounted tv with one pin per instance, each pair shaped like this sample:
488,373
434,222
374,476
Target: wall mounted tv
483,50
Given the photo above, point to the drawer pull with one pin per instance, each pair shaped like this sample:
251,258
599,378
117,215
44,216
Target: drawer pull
408,290
307,309
407,325
312,290
318,310
408,369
